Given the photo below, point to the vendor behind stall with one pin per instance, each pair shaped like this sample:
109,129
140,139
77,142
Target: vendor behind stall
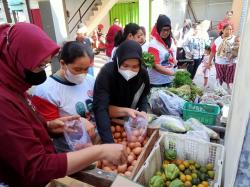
28,158
162,46
121,89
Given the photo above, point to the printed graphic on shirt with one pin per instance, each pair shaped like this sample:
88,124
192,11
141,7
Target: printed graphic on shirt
166,58
85,110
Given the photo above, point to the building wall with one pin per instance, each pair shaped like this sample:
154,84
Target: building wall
175,9
211,9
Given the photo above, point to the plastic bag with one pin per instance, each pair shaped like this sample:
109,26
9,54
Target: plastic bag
79,138
166,103
136,129
196,125
198,135
170,123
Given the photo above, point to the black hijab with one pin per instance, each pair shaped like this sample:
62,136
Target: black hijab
122,91
112,89
164,21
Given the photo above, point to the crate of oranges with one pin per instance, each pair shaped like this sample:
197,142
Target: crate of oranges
180,162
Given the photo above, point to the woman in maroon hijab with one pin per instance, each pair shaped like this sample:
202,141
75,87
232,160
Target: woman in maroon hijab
27,156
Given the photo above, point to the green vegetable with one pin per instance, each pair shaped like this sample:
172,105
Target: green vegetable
183,91
181,78
176,183
196,181
170,154
171,171
148,59
156,181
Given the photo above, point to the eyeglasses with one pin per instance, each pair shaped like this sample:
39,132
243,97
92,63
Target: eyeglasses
44,66
166,30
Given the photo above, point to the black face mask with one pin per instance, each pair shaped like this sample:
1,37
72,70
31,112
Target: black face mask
35,78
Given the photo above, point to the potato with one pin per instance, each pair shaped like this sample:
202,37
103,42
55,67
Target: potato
106,168
130,168
131,158
112,129
117,135
122,168
118,128
99,164
113,167
137,144
137,150
128,173
124,135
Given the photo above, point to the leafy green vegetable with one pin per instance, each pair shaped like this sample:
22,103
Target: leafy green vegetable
148,59
181,78
156,181
170,154
171,171
183,91
176,183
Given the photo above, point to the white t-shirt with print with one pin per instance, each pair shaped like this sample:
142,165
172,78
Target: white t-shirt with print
69,98
217,43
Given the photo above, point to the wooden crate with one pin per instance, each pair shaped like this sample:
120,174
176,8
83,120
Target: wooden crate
67,182
98,177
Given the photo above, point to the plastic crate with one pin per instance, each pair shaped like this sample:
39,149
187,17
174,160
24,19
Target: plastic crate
206,114
201,152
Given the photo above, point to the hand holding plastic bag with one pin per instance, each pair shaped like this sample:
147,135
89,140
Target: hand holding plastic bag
79,138
136,129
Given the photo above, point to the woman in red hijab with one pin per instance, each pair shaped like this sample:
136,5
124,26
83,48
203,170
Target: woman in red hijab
27,156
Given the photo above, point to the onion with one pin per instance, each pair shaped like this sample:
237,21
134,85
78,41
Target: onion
137,144
117,135
124,135
136,133
134,162
112,129
118,128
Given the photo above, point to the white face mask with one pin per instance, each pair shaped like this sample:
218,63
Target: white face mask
127,74
76,79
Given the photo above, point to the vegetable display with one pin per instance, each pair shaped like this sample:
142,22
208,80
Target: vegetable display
182,78
182,173
134,150
148,59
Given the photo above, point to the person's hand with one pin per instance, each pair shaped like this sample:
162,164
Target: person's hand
143,114
114,153
89,127
132,113
57,126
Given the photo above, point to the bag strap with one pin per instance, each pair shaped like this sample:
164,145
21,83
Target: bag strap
137,96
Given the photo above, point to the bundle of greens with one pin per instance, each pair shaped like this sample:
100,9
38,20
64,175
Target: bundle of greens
181,78
148,59
183,92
